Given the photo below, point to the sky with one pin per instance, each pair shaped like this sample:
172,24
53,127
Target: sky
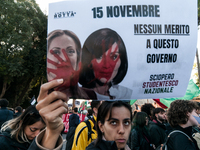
44,4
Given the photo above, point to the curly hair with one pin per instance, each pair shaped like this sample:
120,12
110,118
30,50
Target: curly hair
178,111
147,108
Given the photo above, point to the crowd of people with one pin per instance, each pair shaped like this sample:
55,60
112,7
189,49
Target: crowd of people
110,125
18,129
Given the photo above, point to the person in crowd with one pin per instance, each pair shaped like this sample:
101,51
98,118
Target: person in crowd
113,126
73,123
18,133
89,114
134,113
148,108
104,65
5,114
64,61
196,129
169,129
81,137
157,128
18,111
51,106
182,116
198,109
140,137
74,118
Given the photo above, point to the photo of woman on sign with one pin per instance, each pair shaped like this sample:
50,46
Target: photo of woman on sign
64,62
104,65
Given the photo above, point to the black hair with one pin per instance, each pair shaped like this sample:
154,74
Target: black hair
75,109
93,48
19,109
4,102
148,108
139,124
156,111
106,108
95,104
90,111
140,119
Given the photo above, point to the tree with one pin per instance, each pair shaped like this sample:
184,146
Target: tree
23,28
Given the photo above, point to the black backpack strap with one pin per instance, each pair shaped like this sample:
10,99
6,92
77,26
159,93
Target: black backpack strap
89,129
164,147
179,132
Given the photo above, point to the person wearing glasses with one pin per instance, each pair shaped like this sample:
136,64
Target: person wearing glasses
18,133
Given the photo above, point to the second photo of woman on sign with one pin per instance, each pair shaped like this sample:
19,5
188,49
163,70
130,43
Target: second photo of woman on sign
104,65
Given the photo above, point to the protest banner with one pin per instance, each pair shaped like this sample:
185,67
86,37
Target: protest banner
122,49
65,118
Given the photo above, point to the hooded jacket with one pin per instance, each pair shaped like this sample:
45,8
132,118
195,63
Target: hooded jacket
9,143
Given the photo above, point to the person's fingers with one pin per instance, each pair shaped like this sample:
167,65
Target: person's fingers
52,117
47,86
51,107
55,95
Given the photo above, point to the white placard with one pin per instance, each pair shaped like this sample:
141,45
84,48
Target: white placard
160,39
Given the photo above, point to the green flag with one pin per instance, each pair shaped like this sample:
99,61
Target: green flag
132,101
192,91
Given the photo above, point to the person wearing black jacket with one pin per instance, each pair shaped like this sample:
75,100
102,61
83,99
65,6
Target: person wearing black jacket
73,123
157,128
18,111
113,126
18,133
181,116
140,137
74,118
5,114
103,145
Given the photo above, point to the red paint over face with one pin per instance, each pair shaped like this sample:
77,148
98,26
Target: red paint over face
64,70
104,67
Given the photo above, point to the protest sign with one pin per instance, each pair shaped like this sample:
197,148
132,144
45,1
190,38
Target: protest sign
65,118
122,49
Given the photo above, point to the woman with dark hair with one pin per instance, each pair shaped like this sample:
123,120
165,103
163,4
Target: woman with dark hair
104,65
18,133
113,126
182,117
140,137
64,62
